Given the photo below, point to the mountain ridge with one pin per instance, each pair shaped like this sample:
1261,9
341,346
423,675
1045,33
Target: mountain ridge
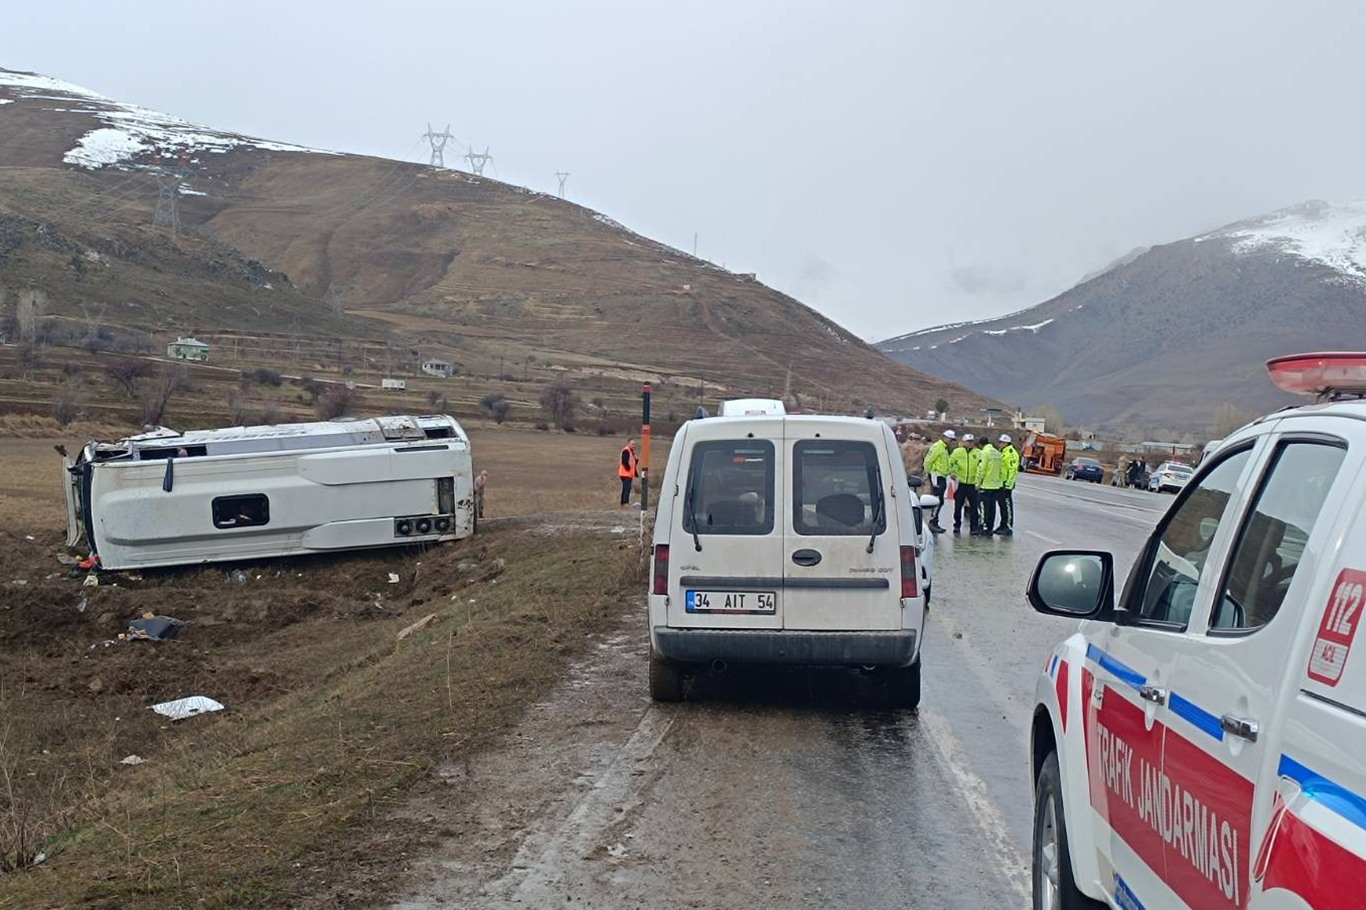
1164,338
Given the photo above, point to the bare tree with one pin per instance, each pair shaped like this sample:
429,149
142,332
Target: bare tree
126,373
155,394
27,354
66,404
496,406
32,304
1227,418
339,400
560,403
1052,419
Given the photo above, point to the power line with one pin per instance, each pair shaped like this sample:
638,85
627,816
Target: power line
438,158
562,176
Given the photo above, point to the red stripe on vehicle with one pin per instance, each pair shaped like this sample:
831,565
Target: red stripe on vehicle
1061,683
1306,862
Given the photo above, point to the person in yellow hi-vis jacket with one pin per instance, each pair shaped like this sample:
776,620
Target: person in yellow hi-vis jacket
1010,469
937,466
989,488
963,469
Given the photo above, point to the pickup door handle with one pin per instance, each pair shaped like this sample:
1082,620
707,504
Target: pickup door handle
1242,727
806,557
1155,694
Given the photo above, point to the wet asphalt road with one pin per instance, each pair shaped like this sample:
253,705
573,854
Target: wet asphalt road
790,788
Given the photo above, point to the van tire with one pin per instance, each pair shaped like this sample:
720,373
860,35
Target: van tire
666,678
903,686
1048,796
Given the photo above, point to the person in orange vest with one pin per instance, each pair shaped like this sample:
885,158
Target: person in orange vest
627,470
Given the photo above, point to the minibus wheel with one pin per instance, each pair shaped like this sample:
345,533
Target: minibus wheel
666,678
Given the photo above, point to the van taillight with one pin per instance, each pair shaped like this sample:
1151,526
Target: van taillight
910,577
661,585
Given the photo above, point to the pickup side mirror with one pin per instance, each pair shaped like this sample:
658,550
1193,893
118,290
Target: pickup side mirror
1079,584
913,481
928,501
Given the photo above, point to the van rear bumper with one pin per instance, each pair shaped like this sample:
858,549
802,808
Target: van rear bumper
780,646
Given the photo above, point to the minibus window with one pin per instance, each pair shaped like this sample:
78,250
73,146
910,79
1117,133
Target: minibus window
241,511
731,488
835,489
1272,539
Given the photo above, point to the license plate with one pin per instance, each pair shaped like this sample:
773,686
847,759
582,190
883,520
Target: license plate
732,602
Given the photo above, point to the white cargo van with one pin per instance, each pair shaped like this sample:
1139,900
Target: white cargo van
1200,741
165,498
789,540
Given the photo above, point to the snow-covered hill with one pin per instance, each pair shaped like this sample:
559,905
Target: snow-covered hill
125,134
1168,334
1315,231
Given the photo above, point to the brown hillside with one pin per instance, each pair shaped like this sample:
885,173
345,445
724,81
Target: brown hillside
498,279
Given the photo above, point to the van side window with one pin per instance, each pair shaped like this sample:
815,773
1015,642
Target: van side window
730,488
241,511
1271,541
1168,574
836,489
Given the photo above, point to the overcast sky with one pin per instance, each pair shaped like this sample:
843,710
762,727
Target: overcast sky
896,165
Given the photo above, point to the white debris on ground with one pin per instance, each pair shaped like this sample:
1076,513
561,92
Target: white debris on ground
130,130
1317,231
182,708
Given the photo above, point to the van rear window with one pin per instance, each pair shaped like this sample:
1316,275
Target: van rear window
730,488
836,489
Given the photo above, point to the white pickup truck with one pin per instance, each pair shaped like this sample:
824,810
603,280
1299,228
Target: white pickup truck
1200,741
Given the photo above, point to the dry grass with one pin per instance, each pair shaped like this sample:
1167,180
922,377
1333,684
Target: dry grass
330,719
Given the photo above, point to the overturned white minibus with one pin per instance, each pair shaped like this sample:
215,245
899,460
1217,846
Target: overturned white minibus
165,498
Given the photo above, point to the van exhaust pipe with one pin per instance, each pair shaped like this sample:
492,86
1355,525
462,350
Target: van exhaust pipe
718,666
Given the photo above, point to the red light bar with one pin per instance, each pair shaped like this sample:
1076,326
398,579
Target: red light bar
1316,374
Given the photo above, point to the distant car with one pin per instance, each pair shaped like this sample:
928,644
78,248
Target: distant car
1170,476
1085,469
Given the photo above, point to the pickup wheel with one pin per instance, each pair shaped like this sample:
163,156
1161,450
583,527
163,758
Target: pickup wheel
903,686
1053,886
666,678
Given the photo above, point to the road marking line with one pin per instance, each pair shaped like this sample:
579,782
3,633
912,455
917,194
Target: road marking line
974,792
1056,543
546,854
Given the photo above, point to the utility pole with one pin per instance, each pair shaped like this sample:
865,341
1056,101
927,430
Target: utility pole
168,207
694,244
644,448
477,161
562,176
438,158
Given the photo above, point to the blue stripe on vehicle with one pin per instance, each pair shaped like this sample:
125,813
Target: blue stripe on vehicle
1120,670
1053,667
1196,716
1125,898
1339,799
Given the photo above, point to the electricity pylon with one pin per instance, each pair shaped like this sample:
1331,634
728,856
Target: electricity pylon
438,158
563,176
168,206
477,161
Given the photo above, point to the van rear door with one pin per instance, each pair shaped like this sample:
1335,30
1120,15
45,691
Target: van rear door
839,494
730,504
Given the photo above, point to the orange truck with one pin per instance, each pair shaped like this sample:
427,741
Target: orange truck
1043,454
